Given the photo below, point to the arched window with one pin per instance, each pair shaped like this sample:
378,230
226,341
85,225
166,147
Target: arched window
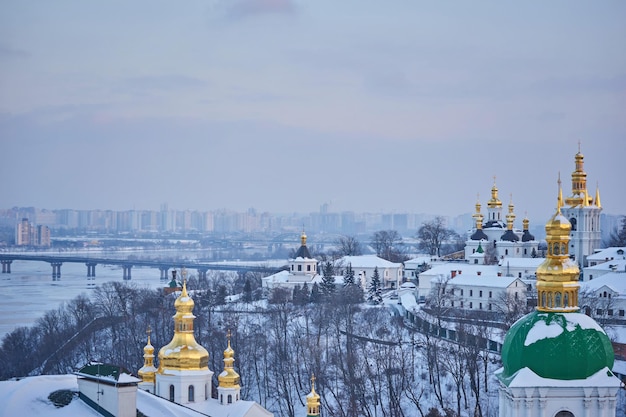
563,249
573,223
171,392
566,299
221,398
564,413
206,391
230,399
191,394
555,249
557,299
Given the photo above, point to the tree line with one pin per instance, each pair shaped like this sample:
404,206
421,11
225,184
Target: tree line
365,361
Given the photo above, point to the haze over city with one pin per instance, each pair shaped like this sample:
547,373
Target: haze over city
285,105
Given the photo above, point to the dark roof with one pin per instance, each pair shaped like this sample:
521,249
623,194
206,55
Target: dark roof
107,374
479,235
303,252
527,237
493,223
509,236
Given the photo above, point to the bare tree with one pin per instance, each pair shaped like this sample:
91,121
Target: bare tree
491,254
388,245
348,246
510,308
433,234
618,236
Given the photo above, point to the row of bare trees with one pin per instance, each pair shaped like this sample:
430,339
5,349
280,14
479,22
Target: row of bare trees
366,362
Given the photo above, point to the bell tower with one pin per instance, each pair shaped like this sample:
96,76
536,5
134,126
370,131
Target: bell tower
583,213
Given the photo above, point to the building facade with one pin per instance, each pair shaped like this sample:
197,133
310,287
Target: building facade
583,213
556,361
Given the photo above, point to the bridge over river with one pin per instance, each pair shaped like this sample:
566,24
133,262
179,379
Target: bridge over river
56,261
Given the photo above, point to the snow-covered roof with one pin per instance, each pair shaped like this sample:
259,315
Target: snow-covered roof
612,253
466,269
368,261
29,396
521,262
619,265
408,301
616,281
492,281
415,262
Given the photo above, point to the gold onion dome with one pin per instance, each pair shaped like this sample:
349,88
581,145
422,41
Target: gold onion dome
575,347
494,201
228,378
313,400
146,373
527,236
183,352
557,276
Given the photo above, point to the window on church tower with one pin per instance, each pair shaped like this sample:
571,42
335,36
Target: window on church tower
171,392
191,394
308,267
299,267
564,413
230,399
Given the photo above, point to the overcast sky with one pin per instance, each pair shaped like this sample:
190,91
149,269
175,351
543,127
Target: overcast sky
283,105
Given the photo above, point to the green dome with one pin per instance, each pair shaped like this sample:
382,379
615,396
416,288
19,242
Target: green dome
556,346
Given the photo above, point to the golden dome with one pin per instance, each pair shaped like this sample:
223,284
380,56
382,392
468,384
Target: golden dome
147,371
579,196
228,378
183,352
303,238
510,217
313,400
557,276
494,201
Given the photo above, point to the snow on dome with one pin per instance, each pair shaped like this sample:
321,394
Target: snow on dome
563,346
542,330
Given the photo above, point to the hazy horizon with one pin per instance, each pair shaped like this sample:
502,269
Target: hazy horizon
285,105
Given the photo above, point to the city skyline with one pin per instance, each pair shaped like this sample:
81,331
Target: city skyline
286,105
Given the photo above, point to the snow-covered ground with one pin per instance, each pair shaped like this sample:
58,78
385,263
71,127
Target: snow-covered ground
29,291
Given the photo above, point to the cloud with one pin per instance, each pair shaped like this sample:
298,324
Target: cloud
244,8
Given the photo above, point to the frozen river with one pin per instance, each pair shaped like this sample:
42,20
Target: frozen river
29,291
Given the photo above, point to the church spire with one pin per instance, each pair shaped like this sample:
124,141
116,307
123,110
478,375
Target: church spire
313,401
183,352
510,217
228,388
557,276
495,201
147,371
579,196
478,216
597,199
